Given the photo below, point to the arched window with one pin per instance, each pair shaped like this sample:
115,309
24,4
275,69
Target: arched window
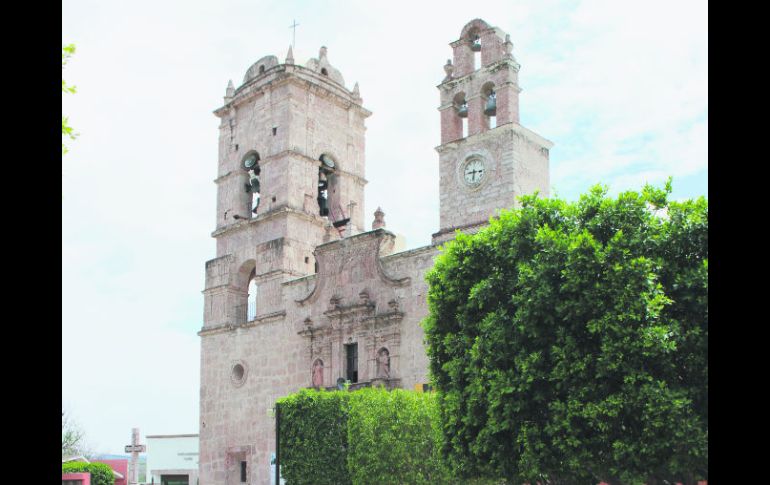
262,69
251,165
252,298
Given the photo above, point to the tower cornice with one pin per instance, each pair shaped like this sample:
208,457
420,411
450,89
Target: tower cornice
516,128
284,73
450,84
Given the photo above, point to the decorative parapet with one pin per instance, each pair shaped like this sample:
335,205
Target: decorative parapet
353,260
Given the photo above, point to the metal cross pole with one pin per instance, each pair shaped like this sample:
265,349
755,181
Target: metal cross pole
134,448
293,26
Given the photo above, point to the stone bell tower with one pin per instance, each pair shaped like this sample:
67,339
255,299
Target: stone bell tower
287,131
486,157
290,178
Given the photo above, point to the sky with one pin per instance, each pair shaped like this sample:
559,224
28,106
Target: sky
619,87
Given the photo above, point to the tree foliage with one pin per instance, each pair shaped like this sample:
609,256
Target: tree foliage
66,130
569,341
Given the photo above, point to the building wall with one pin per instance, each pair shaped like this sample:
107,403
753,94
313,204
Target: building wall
120,466
172,454
79,478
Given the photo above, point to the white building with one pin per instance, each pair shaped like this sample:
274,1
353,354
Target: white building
172,459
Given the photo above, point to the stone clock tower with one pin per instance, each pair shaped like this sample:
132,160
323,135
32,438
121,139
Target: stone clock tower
487,159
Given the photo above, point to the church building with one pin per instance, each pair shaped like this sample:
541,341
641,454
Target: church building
301,292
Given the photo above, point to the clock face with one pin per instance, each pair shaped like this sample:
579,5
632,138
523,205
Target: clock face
473,172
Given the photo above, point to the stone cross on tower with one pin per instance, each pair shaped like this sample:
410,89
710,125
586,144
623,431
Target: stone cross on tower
293,26
134,448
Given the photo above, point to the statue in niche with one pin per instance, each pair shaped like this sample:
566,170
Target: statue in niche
318,373
383,364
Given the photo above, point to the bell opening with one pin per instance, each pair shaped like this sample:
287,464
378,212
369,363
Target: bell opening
491,107
476,44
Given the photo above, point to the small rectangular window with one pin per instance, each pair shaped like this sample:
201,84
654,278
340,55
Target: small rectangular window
465,127
243,472
275,130
352,362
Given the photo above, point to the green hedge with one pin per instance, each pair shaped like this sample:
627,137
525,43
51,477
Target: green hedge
362,437
314,437
101,474
395,438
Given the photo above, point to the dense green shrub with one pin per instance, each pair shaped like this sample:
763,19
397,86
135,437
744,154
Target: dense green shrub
569,341
101,474
362,437
314,437
394,438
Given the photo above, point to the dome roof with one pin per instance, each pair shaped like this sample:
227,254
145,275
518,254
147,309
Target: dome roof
259,67
322,66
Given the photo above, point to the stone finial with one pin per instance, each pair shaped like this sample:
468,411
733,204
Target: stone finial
379,219
448,69
356,91
230,91
508,45
322,52
290,56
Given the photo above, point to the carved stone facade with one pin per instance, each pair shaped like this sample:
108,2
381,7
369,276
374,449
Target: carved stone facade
333,302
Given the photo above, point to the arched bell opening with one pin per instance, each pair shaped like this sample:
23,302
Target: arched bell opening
489,104
325,178
250,163
476,49
461,107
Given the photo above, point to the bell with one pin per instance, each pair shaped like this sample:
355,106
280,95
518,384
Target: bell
491,109
323,185
476,45
327,161
255,185
462,111
250,162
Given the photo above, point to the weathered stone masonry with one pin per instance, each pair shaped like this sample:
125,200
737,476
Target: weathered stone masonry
331,299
